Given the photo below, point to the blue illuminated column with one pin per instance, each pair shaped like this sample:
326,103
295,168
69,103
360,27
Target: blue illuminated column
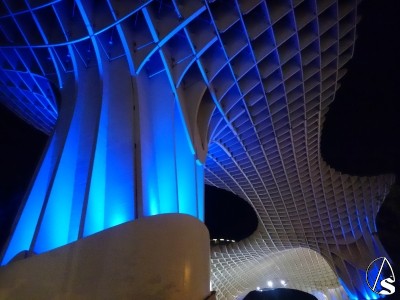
172,176
121,151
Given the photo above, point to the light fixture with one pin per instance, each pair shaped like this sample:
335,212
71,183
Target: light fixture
283,282
270,284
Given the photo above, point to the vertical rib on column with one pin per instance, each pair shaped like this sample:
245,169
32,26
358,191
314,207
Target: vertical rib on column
156,104
27,224
200,189
111,197
62,215
170,181
186,169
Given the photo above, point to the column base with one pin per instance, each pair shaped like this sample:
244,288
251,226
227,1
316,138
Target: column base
159,257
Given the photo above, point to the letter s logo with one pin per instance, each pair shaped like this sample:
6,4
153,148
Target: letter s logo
386,284
375,277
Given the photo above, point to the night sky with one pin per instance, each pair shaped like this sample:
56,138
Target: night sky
361,135
279,294
20,149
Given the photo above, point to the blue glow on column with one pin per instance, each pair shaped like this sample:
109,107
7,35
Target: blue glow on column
172,179
94,220
153,202
158,147
150,194
163,131
112,192
186,167
119,199
149,185
200,189
348,292
61,220
25,229
54,229
120,178
97,161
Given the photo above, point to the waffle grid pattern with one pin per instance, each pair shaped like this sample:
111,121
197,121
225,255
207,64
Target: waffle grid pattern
261,75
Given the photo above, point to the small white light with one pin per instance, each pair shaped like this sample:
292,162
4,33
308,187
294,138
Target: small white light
233,240
269,283
258,288
283,282
221,239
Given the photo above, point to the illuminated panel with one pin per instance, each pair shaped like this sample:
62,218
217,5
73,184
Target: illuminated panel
169,176
149,185
94,221
158,148
200,189
119,158
62,212
162,108
54,228
111,196
186,172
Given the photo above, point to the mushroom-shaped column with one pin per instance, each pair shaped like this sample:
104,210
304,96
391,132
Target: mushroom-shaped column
121,151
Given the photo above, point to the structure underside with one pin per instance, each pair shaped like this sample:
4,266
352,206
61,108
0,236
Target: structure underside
250,80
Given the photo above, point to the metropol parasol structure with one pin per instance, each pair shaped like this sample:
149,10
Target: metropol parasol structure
146,101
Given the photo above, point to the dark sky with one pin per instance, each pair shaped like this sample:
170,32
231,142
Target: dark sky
279,294
361,135
223,210
20,148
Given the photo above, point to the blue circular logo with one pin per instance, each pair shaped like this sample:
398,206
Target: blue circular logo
380,276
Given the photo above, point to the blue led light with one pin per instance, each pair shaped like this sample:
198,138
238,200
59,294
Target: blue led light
200,189
348,292
185,165
94,221
164,164
152,203
62,215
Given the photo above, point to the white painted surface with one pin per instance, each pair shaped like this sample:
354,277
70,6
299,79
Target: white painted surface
159,257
